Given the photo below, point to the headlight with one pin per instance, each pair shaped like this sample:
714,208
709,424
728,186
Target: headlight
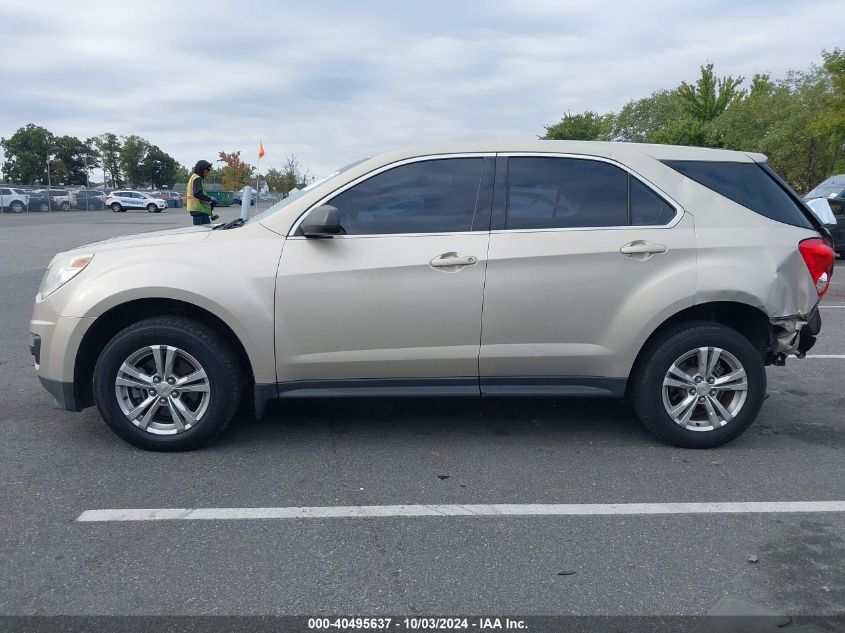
62,269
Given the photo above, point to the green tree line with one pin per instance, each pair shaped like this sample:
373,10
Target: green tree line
797,121
125,160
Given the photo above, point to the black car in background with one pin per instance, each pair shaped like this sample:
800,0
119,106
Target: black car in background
38,201
90,200
833,190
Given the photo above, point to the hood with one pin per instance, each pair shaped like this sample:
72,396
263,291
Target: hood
157,238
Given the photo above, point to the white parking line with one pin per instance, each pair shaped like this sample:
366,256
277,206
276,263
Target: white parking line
825,356
832,307
500,510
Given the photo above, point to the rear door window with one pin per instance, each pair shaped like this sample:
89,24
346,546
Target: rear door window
546,192
556,192
747,184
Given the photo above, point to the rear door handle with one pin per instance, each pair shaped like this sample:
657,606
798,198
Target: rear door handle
640,249
451,262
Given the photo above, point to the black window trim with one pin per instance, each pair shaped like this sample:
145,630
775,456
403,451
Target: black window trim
500,196
479,217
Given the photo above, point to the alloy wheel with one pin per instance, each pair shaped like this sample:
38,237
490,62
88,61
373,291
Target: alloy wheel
705,389
162,390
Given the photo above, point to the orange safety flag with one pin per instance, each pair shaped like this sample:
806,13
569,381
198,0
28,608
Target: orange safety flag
260,150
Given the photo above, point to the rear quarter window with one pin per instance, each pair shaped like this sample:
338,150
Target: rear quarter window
747,184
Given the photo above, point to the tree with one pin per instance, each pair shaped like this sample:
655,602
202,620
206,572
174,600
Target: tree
646,120
793,121
275,179
702,103
589,126
710,96
181,174
71,156
132,156
27,152
291,176
109,147
235,173
159,168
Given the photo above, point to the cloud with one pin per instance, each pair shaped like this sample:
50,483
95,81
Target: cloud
335,81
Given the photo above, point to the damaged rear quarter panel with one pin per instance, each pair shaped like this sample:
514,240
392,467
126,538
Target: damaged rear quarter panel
748,258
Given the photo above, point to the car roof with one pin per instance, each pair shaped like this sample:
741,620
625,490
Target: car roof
605,149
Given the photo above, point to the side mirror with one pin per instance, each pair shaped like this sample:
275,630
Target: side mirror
321,222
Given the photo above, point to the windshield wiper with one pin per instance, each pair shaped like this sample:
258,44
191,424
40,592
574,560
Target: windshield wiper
233,224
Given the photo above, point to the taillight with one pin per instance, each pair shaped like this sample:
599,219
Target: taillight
819,259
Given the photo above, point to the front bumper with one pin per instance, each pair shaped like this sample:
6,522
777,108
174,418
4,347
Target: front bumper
54,346
63,392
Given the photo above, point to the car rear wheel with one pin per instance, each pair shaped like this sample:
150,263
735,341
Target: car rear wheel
16,207
151,208
43,207
115,207
65,206
699,385
167,383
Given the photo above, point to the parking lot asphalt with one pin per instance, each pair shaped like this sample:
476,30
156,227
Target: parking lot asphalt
54,465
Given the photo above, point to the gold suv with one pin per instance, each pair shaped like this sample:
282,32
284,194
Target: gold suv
668,275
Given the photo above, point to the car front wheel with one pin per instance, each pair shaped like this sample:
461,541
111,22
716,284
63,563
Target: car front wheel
151,208
699,385
167,383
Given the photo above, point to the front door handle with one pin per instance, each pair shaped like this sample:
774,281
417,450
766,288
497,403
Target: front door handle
640,249
452,262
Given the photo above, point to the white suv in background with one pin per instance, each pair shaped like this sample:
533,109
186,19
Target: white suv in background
13,200
124,199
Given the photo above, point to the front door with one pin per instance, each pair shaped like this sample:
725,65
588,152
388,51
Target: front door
394,304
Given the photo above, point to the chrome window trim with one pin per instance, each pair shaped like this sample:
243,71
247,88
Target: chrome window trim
679,210
405,161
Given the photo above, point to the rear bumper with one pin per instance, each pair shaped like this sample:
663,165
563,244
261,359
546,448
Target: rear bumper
794,335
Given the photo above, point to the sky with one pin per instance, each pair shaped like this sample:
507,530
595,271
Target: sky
335,81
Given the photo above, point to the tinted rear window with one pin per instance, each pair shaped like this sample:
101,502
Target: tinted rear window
746,184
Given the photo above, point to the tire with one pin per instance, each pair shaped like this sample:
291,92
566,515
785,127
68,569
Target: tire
115,207
16,207
44,207
151,208
212,400
652,399
65,206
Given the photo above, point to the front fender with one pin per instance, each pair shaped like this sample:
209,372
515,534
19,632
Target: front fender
233,279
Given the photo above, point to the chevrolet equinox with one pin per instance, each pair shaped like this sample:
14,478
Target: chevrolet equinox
671,276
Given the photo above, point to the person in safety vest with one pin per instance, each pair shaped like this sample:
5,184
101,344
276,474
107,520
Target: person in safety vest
200,205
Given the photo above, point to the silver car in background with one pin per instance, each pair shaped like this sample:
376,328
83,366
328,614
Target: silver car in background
667,275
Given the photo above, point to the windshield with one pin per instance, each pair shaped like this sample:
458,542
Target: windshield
281,204
823,191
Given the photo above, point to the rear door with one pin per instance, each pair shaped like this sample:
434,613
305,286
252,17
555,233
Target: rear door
394,305
584,258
